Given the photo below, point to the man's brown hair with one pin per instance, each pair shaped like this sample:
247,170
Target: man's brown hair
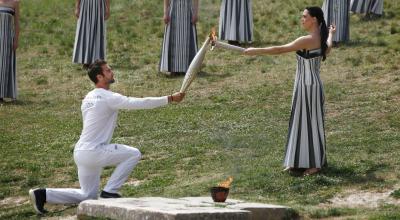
95,69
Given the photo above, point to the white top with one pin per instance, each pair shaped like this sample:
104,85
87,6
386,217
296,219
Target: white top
100,110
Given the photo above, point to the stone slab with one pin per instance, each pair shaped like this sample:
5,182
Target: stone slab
188,208
259,211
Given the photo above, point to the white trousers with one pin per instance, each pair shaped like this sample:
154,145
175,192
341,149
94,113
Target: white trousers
90,163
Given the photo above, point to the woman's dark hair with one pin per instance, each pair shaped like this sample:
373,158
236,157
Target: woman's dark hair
317,12
95,69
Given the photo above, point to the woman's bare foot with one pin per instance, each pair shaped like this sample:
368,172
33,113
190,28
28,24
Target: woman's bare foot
311,171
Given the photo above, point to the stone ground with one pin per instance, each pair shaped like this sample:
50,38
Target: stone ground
350,199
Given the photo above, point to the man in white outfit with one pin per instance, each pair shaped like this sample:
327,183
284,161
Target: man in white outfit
93,151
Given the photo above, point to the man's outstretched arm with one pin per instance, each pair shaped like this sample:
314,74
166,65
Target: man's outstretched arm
118,101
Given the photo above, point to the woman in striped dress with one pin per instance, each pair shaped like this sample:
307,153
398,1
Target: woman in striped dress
367,7
9,34
236,21
90,37
337,12
180,36
306,137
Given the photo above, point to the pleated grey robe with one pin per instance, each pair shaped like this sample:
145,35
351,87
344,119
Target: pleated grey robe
180,38
90,37
367,6
306,146
337,12
8,76
236,21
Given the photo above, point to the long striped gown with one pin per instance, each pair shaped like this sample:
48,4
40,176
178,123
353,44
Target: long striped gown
305,146
180,38
236,21
8,76
337,12
90,37
367,6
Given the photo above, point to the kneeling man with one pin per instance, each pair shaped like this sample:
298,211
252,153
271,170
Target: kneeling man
94,151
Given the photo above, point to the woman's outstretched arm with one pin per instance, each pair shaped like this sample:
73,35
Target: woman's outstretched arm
298,44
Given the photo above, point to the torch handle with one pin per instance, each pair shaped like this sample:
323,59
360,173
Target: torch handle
229,47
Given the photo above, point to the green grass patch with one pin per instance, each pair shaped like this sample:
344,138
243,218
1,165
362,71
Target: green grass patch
233,121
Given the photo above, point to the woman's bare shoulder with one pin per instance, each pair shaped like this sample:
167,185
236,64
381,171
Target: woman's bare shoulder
309,41
306,37
305,40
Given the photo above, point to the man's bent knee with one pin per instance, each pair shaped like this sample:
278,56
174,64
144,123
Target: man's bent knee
136,154
132,153
90,195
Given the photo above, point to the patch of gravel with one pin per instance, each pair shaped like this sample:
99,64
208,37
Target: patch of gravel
133,182
72,217
365,199
14,201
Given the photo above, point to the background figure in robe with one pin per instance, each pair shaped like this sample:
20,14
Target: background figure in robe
9,35
306,147
236,21
90,37
367,7
180,36
337,12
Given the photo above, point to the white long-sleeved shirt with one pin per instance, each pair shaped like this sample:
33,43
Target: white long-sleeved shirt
100,110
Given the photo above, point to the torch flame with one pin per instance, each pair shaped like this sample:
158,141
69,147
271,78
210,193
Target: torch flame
226,183
212,33
213,37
